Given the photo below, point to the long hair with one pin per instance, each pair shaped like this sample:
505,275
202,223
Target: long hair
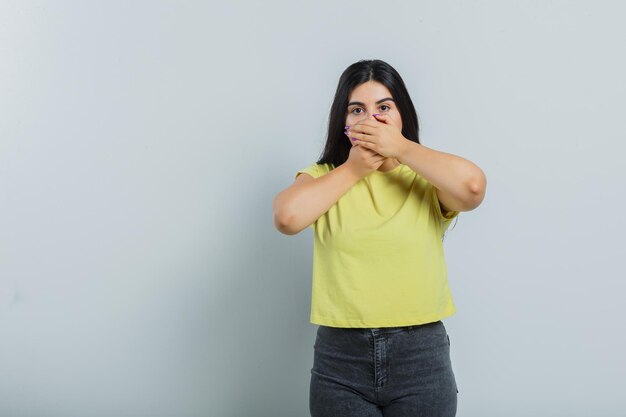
337,148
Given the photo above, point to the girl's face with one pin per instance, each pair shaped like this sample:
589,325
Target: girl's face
371,98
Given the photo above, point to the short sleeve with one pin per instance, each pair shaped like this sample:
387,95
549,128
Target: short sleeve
445,218
312,170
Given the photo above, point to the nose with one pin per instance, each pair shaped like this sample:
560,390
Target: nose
371,116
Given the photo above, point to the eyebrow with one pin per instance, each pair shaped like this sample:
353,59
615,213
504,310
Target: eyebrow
363,104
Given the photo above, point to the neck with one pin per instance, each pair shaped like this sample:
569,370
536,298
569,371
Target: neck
388,164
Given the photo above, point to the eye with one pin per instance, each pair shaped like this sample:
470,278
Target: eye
358,108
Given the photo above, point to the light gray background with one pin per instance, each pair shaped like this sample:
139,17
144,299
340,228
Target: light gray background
142,143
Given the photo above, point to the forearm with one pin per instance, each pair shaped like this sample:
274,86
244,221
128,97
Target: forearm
302,204
455,175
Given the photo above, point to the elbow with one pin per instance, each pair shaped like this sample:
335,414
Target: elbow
281,218
477,190
282,224
286,220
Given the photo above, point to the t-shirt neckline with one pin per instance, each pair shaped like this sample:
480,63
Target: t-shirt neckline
396,168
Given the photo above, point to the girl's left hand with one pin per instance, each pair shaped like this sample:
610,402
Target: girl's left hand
382,136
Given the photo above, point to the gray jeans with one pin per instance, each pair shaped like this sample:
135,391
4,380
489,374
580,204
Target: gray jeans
388,371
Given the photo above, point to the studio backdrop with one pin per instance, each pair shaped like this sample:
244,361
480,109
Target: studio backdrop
142,143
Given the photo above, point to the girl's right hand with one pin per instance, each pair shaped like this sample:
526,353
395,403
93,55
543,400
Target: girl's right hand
363,161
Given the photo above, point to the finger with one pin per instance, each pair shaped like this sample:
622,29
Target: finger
368,122
352,135
362,137
352,140
365,144
383,118
364,129
386,119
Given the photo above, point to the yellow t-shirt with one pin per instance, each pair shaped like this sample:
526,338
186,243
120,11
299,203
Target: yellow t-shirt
378,258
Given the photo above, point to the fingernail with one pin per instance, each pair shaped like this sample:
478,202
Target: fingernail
377,114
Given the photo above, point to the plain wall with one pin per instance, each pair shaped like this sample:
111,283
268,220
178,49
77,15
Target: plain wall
142,143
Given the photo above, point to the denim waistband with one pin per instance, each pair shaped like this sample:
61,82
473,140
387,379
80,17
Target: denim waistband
388,330
396,329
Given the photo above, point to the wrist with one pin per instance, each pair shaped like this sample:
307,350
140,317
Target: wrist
351,174
405,151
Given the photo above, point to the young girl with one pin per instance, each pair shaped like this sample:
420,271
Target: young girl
379,203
